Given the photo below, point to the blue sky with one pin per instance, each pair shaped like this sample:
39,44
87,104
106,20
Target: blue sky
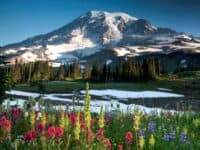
20,19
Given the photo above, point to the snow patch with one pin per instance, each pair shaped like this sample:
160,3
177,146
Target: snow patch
52,38
29,56
10,51
135,50
109,61
22,93
95,104
83,46
165,89
184,36
55,64
133,94
183,61
121,51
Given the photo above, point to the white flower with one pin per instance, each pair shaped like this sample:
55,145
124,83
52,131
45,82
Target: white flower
39,114
26,114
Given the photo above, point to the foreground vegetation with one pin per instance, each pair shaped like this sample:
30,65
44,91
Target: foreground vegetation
51,128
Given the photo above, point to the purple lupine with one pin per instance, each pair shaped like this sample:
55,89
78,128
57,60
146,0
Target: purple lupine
141,132
151,126
183,138
166,137
172,135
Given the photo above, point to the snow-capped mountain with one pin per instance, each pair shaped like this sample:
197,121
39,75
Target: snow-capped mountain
95,31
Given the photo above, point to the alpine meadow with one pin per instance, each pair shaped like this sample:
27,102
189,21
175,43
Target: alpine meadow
99,75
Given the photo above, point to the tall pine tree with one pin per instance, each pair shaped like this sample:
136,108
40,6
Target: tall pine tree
5,83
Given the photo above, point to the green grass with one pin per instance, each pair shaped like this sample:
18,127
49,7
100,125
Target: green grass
66,86
189,74
186,83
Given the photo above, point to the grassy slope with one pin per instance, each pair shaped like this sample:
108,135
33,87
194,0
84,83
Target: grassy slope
187,83
63,86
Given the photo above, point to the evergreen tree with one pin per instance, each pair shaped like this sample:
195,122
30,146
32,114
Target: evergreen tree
145,70
5,82
87,72
16,72
95,73
51,76
41,71
76,72
151,69
157,65
30,72
61,73
118,75
104,73
109,73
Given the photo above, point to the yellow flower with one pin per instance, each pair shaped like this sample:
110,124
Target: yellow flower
52,118
101,118
152,140
141,142
87,114
196,122
137,122
62,118
66,122
32,118
185,130
43,118
26,114
77,129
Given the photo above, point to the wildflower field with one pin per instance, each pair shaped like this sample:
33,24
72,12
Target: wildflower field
61,129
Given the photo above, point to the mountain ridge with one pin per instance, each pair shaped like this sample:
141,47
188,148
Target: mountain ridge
96,30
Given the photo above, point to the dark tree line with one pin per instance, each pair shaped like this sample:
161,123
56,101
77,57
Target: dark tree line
129,70
5,83
31,72
42,71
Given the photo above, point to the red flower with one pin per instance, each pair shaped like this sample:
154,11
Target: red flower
162,114
169,115
59,132
40,127
30,135
51,132
81,116
107,143
5,124
89,134
16,112
92,121
120,147
100,134
73,119
83,125
107,120
129,137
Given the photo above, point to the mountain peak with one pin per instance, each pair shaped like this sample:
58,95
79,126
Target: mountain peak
97,13
92,32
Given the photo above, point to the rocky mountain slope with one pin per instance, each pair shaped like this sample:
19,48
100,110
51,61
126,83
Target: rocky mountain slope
98,32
